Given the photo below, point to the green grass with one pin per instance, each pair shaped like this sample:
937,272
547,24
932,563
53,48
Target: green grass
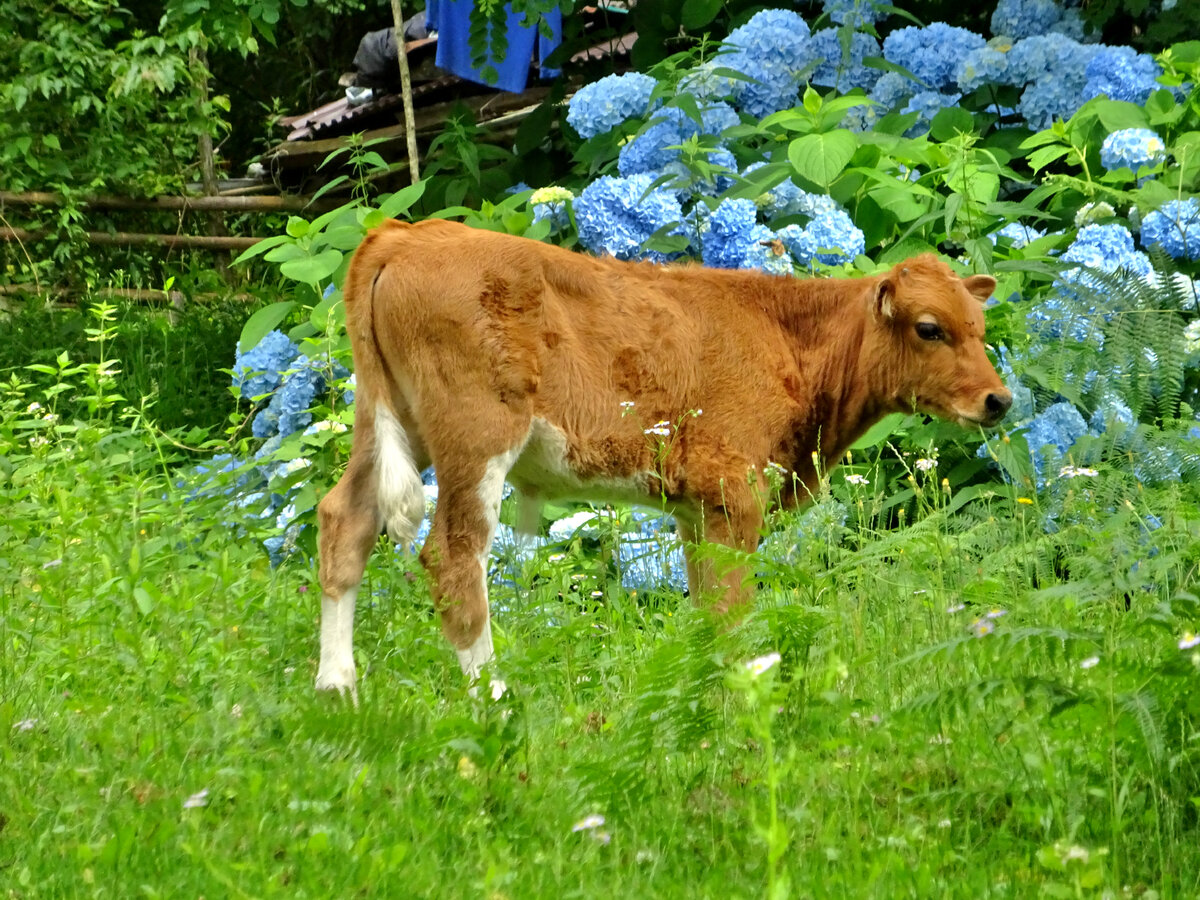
148,652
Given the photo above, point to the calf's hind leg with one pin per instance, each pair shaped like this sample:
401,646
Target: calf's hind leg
381,484
456,553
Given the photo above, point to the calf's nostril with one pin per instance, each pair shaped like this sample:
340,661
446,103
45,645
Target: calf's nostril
998,404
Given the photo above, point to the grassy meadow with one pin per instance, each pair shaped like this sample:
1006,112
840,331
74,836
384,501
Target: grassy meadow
996,700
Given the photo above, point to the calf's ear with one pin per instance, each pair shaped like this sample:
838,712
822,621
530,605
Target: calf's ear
885,292
980,286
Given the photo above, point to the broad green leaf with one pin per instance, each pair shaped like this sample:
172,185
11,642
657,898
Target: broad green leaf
297,227
261,322
344,237
313,269
698,13
949,121
821,157
401,201
284,252
881,430
261,247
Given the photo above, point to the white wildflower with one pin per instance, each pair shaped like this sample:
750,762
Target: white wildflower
198,799
588,823
1089,662
1077,472
857,479
925,464
1189,640
762,663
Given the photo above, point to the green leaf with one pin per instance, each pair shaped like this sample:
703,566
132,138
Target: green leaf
1042,157
297,227
261,322
261,247
313,269
821,157
400,202
950,121
881,430
698,13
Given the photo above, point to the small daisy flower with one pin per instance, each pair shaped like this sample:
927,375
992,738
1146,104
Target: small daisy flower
982,627
588,823
626,405
1189,640
1089,662
757,666
957,607
857,479
996,613
663,429
925,465
25,725
1077,472
33,407
196,800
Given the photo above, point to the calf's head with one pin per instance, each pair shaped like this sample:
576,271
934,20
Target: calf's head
925,337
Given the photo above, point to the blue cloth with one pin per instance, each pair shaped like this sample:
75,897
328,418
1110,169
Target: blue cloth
452,20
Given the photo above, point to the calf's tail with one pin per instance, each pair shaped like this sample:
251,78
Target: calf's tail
382,420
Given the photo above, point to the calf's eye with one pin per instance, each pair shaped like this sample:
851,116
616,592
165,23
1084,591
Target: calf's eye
929,331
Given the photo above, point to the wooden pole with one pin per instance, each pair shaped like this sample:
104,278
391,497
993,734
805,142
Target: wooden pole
208,169
410,116
127,239
223,202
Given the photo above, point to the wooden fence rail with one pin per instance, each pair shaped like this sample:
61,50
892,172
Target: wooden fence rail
134,239
258,204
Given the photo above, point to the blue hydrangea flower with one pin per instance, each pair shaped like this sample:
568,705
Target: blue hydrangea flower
1018,233
1109,411
928,104
603,105
729,234
301,384
652,557
1121,73
767,252
614,218
260,370
891,90
831,238
1056,429
1176,227
348,393
774,49
1108,248
705,84
1062,315
1046,100
837,70
687,181
787,199
1050,55
1132,148
1026,18
934,53
658,146
986,65
855,13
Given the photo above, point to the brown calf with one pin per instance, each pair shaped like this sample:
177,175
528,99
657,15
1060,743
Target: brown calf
495,357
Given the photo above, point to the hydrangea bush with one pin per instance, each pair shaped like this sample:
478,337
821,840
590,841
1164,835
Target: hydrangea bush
841,150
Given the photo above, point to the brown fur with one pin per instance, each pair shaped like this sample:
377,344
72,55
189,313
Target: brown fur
468,336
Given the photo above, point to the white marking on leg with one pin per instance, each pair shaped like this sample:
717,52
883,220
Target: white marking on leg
491,492
401,498
336,669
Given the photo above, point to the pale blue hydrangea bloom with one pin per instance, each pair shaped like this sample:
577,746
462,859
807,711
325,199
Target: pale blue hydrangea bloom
1121,73
728,234
855,13
1055,429
775,49
1055,55
303,382
787,199
839,71
1062,315
603,105
1048,99
1109,411
1132,148
986,65
260,370
767,252
927,104
1026,18
891,90
1018,233
1175,227
703,82
831,238
1108,248
658,145
614,218
933,53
